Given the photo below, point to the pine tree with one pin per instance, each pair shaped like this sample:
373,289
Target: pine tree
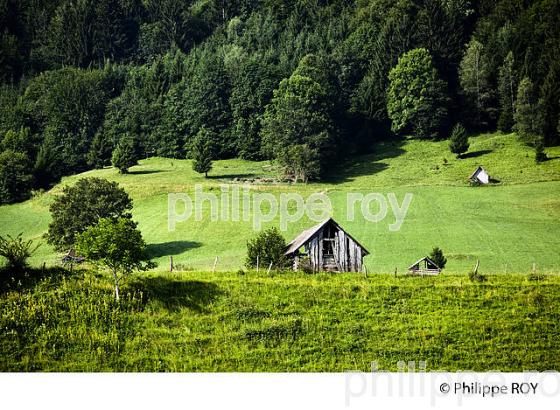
459,142
526,112
125,155
473,73
438,258
540,155
201,152
416,98
507,86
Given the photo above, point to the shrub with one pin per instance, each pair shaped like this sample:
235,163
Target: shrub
16,251
459,142
540,155
125,155
116,245
81,206
269,246
438,258
304,265
477,277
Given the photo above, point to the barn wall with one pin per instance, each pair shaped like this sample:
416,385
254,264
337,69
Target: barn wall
348,254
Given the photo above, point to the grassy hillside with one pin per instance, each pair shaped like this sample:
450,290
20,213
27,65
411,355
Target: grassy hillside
508,226
290,322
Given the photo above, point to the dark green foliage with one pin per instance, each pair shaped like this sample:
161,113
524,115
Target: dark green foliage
416,97
474,75
16,251
16,180
549,105
527,121
253,80
80,75
202,151
540,155
81,206
438,258
116,245
125,155
299,162
459,141
300,114
201,100
507,88
269,246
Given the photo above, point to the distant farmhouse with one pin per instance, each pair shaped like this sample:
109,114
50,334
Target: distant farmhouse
424,266
480,176
329,248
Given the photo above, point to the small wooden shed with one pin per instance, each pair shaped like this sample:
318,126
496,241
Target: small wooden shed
424,266
480,176
329,248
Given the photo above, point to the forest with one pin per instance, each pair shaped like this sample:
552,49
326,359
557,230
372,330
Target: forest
300,82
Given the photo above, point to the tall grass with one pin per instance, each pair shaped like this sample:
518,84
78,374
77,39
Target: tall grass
199,321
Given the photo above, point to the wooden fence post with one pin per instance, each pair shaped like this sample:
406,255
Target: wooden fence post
171,264
215,263
257,263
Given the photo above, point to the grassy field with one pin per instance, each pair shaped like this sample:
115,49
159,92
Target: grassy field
508,226
199,321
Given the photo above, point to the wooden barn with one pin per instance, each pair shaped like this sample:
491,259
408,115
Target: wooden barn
424,266
480,176
329,248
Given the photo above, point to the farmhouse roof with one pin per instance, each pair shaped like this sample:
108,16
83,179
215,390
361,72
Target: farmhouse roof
477,171
425,258
308,234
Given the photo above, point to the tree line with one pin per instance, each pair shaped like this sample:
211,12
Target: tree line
88,83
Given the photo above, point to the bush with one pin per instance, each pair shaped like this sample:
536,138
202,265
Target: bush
81,206
269,246
16,180
16,251
304,265
540,155
459,142
125,155
477,277
438,258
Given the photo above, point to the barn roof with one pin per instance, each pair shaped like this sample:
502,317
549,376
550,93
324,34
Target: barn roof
425,258
477,171
308,234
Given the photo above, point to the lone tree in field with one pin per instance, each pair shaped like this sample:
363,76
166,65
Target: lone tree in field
269,247
201,152
83,205
438,258
416,97
125,155
459,142
116,245
16,251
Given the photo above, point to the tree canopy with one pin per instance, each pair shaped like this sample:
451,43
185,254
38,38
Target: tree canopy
332,77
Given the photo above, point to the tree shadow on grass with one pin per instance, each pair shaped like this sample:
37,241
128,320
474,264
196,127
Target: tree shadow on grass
174,293
476,154
157,250
368,164
146,172
232,176
29,277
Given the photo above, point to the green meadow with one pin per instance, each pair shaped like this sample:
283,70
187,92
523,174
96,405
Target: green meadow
508,226
203,321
